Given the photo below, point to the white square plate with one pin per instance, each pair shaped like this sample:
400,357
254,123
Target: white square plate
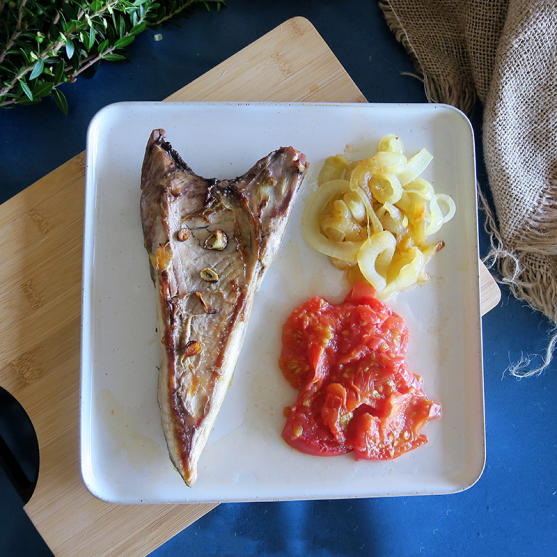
123,452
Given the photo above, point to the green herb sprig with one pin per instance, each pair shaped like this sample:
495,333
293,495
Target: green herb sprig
44,43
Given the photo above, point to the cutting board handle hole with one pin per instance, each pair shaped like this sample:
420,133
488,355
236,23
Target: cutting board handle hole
19,447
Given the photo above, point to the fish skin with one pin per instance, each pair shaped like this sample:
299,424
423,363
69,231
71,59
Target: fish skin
253,211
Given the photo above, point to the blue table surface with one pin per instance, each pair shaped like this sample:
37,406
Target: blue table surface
511,510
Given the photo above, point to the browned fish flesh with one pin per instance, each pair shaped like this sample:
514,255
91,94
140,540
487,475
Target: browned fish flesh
209,243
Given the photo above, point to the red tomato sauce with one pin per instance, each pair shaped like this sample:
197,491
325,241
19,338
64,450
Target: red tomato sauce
355,392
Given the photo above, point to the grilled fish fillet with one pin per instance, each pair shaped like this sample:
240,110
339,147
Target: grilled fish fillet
209,244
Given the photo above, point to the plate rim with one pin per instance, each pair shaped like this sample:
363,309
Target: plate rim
87,280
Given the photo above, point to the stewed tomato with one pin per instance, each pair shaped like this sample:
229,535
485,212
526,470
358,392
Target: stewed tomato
355,392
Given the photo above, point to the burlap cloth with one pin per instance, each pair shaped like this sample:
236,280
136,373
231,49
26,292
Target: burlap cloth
502,53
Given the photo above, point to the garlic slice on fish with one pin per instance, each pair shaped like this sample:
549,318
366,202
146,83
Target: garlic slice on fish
218,240
208,275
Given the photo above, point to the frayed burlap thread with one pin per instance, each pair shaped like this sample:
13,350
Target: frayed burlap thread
452,44
504,53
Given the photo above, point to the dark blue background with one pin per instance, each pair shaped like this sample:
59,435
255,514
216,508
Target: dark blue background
510,511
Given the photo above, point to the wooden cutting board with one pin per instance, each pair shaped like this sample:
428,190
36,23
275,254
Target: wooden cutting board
40,296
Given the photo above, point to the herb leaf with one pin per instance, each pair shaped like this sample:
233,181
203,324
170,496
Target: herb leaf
60,100
103,46
114,57
42,90
139,28
123,42
69,49
38,69
26,90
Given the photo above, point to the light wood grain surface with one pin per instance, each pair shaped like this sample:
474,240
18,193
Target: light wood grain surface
40,296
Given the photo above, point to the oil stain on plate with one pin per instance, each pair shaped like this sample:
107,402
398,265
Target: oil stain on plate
141,451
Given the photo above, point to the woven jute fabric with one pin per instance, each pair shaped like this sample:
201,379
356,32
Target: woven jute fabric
502,53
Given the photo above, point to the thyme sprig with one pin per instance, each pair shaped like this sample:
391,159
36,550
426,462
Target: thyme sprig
44,43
